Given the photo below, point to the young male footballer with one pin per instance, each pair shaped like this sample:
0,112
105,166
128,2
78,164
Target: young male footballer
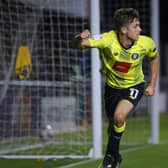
121,52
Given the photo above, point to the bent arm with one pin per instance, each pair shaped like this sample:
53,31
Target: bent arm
154,66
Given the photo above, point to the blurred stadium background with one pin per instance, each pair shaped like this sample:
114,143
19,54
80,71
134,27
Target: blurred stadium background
58,91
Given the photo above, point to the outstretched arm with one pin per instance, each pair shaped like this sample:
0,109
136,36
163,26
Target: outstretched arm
81,40
150,90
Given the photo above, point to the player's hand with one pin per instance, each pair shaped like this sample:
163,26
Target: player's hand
85,34
149,91
81,41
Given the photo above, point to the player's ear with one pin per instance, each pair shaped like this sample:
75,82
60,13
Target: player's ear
123,30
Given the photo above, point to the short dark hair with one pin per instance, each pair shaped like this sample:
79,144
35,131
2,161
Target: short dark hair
124,16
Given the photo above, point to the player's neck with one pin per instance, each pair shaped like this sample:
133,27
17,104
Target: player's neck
124,41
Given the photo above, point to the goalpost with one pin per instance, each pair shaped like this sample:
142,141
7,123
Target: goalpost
155,100
56,112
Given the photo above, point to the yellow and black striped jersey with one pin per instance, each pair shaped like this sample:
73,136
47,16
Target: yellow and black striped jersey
123,67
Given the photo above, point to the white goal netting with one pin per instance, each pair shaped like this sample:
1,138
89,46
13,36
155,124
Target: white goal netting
48,113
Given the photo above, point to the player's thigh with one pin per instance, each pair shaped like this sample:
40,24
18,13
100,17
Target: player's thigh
123,108
112,96
129,99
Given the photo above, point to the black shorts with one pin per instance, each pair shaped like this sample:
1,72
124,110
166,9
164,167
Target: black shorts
114,95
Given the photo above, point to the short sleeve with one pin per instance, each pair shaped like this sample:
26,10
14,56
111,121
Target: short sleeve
151,48
100,41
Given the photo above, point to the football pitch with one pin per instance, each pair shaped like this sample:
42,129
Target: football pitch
145,156
154,156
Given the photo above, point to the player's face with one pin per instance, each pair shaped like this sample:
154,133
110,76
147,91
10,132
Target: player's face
133,30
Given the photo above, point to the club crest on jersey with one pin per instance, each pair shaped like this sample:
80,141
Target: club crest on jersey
134,56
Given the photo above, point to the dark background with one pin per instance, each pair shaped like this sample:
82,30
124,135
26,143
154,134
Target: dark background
163,21
163,38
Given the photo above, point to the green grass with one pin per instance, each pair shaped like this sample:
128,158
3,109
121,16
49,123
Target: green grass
154,156
145,156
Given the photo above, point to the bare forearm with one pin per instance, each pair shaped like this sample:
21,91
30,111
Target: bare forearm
150,90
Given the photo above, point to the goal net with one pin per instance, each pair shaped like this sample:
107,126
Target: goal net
49,112
46,108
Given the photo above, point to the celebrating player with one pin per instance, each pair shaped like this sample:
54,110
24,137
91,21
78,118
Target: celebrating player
121,52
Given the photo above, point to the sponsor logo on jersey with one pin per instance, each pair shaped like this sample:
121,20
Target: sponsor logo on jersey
122,66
